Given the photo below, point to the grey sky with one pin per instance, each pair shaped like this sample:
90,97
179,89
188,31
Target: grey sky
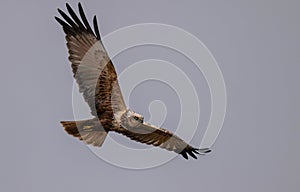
256,44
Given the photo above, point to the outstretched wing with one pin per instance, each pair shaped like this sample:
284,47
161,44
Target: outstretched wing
151,135
92,68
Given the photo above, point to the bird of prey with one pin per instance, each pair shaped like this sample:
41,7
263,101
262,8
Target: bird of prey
97,80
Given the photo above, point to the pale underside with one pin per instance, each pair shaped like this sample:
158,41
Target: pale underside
97,81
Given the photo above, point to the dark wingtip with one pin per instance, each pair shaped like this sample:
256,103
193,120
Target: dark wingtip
56,18
73,25
193,151
60,12
205,150
188,152
75,17
80,7
96,27
84,19
59,21
68,6
184,155
192,154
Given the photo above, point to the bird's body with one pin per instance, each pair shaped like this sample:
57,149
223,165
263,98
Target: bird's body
97,79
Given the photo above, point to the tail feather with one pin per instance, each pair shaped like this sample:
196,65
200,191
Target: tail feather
86,130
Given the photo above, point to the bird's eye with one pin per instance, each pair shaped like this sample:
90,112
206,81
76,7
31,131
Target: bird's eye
136,118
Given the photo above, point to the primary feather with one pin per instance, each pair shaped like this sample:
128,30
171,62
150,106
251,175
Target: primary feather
97,80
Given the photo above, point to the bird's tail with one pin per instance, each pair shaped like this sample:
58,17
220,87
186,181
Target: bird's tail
89,131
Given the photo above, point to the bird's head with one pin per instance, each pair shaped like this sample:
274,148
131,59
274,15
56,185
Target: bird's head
131,119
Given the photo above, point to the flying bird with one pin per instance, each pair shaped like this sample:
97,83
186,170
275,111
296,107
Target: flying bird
97,80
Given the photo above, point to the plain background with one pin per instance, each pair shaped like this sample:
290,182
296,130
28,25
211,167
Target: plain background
256,44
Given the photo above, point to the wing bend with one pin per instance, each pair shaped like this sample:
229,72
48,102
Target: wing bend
152,135
91,65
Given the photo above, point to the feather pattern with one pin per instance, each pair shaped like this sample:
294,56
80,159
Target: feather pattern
91,65
152,135
97,81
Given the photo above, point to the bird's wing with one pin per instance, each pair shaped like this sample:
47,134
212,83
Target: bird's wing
91,65
152,135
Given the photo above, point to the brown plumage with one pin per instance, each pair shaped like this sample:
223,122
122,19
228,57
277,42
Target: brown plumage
97,81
